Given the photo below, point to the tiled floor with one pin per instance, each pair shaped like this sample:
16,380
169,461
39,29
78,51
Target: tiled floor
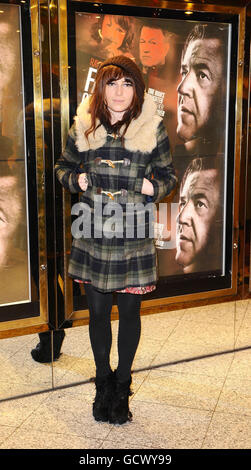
191,383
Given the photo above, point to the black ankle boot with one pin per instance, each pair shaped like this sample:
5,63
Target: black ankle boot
103,398
119,411
43,352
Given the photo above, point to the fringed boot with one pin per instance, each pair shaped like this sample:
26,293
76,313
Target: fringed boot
103,398
119,411
43,352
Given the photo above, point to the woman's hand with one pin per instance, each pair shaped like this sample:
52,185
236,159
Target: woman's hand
147,188
83,181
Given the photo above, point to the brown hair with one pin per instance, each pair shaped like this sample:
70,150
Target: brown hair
115,69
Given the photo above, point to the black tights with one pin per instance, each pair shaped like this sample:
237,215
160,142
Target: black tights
100,305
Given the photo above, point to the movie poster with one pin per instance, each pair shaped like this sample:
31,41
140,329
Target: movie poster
185,65
14,256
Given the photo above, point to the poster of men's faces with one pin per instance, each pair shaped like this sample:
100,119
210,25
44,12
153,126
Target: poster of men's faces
185,65
14,256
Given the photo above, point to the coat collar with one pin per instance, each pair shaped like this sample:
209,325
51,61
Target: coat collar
140,135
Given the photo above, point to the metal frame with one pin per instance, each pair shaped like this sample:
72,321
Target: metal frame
39,134
64,90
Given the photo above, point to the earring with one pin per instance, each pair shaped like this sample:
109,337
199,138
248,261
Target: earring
100,33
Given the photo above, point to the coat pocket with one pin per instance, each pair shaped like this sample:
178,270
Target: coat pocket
138,247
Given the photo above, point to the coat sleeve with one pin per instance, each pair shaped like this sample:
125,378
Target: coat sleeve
163,175
68,166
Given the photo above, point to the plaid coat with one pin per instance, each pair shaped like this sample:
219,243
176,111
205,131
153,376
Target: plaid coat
113,245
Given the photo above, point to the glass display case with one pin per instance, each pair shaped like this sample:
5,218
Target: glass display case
23,273
192,59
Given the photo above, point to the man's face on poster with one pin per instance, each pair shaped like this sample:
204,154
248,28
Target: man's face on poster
153,46
10,215
198,206
200,87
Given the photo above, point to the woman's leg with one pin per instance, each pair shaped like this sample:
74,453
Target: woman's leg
100,305
128,340
128,334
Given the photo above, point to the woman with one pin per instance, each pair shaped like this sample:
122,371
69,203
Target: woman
114,34
124,150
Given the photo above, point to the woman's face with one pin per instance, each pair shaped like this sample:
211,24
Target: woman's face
119,94
112,33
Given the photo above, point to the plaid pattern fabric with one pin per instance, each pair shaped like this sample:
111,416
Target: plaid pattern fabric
115,262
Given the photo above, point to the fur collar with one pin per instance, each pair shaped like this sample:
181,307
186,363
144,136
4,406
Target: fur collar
140,135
